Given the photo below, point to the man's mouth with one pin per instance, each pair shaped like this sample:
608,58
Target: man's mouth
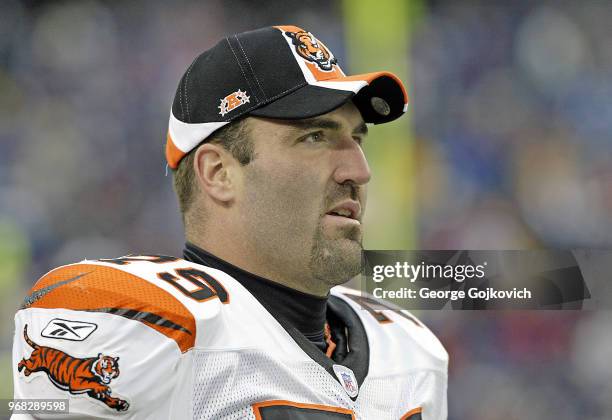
342,212
347,209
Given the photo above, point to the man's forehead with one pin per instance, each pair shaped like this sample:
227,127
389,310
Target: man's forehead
330,123
345,117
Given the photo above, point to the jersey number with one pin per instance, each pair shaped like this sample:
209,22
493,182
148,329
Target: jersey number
374,307
196,284
193,283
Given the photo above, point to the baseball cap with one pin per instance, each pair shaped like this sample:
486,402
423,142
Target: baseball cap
281,72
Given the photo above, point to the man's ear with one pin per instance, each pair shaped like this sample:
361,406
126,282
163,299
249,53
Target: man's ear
215,172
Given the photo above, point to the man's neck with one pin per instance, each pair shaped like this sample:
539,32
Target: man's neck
252,262
305,312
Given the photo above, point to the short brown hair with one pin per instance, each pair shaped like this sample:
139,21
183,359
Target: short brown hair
234,137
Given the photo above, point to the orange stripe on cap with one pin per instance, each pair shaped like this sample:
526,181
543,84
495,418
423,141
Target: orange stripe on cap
289,28
95,287
183,137
173,153
370,77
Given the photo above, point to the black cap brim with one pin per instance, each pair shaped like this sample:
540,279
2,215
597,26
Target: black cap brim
310,101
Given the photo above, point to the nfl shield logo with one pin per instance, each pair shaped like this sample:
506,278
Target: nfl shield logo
347,379
348,382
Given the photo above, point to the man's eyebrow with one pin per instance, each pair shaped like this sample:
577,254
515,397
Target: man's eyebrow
325,123
361,129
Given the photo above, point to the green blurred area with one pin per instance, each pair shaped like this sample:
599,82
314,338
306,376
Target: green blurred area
15,260
377,32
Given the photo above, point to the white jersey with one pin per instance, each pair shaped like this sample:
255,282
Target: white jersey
148,337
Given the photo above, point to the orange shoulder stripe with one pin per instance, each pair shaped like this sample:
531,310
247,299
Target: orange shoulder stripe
97,288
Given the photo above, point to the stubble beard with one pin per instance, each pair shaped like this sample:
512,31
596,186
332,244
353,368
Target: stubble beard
336,261
333,259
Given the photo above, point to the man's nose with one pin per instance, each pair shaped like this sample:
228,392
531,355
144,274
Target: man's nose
352,165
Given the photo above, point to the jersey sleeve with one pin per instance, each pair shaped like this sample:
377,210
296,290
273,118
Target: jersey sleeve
402,347
108,341
427,361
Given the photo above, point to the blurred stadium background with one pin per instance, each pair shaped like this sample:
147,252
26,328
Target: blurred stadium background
508,147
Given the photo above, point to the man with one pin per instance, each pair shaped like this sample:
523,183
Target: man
265,142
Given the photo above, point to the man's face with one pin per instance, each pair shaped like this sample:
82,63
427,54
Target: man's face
303,197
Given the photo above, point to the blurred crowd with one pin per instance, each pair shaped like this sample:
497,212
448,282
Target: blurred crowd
511,107
513,112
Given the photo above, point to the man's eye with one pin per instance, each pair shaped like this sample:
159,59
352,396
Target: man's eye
315,137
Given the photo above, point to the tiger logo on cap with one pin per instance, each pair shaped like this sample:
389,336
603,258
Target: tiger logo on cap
311,49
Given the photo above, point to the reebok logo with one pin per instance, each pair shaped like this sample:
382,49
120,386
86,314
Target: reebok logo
68,330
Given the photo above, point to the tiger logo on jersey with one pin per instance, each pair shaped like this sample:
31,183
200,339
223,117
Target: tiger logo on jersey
91,375
311,49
